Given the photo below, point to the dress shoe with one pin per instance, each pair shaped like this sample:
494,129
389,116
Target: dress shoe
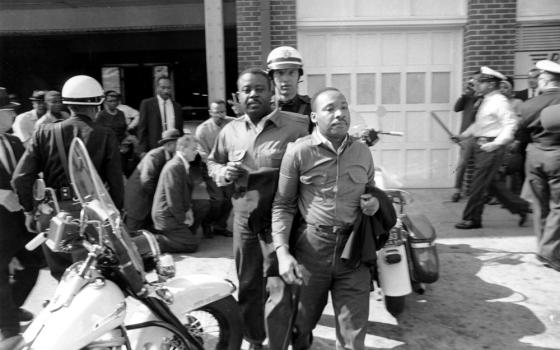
223,232
549,263
456,197
24,315
467,225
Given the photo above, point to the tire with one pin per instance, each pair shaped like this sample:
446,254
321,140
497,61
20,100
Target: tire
217,325
395,305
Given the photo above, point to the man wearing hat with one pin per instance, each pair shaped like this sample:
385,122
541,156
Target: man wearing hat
47,152
540,127
172,211
141,185
15,260
494,125
25,123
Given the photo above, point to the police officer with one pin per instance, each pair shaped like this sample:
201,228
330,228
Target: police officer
47,153
539,124
285,68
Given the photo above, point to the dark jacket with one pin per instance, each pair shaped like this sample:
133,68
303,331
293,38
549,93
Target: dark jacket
42,156
370,232
530,129
149,124
17,147
116,122
141,185
466,104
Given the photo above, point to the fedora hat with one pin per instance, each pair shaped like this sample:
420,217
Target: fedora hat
169,135
38,95
5,102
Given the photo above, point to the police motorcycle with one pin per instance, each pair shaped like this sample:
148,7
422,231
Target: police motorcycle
408,260
108,301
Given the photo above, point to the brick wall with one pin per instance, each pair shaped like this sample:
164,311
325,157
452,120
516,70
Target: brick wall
490,36
262,26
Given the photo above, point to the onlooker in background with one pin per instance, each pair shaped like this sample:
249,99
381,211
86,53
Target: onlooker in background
158,114
254,142
172,209
141,185
220,197
468,103
132,116
111,117
25,123
492,130
15,260
129,156
542,128
53,101
506,88
532,91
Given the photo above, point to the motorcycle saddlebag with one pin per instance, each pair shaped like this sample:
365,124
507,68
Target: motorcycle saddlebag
422,254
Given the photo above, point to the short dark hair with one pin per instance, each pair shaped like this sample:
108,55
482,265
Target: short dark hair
320,92
112,93
256,71
161,78
218,102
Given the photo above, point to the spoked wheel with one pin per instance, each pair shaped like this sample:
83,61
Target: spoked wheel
216,325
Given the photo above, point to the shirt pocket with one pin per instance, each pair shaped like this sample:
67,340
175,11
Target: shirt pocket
313,179
237,155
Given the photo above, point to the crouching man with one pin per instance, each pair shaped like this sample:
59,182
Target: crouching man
172,209
325,176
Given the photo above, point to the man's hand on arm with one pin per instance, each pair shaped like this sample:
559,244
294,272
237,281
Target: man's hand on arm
288,266
233,171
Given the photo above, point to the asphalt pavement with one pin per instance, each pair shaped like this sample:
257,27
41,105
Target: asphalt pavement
492,292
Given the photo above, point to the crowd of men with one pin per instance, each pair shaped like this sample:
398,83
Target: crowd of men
507,133
297,183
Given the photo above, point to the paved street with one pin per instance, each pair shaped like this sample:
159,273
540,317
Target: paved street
492,292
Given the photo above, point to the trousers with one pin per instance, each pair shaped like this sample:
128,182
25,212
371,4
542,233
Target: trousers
319,253
542,169
485,181
15,289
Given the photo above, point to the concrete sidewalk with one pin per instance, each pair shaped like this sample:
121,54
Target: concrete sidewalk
492,293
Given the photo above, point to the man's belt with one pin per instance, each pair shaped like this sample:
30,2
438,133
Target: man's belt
344,229
481,140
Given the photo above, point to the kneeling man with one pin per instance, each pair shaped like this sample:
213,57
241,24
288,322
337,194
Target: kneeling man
172,209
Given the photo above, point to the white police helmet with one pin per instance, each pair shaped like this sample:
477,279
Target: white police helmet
284,57
82,90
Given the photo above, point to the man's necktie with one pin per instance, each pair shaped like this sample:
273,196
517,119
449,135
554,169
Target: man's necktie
164,115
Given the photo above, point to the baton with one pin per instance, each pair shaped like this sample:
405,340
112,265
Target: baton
445,128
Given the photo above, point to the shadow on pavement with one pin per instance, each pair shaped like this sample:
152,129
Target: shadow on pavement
460,311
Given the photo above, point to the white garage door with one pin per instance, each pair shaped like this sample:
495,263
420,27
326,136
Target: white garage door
406,73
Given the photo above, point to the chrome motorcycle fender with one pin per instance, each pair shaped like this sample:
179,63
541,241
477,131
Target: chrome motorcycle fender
98,308
194,291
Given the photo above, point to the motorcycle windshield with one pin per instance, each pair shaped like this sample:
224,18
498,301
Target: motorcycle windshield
91,192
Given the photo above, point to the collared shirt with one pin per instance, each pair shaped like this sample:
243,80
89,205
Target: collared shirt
49,118
206,134
24,124
324,185
167,113
495,118
241,141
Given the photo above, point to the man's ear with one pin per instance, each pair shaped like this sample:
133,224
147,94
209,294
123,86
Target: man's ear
313,117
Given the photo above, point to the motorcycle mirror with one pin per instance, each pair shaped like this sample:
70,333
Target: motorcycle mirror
39,189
